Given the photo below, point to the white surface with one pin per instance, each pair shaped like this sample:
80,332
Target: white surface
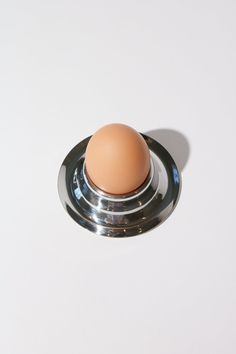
67,68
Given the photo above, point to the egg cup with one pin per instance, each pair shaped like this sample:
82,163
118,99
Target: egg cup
120,215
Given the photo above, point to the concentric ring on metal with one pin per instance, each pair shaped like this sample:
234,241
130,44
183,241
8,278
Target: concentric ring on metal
119,216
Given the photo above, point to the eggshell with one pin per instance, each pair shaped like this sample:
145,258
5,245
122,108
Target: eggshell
117,159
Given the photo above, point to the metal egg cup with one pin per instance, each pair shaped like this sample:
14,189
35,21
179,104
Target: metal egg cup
119,215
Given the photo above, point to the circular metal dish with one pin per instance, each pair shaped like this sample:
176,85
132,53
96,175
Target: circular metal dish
125,215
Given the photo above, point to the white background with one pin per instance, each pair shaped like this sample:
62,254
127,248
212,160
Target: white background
66,69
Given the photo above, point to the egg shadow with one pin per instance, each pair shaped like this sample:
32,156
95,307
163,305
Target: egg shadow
175,143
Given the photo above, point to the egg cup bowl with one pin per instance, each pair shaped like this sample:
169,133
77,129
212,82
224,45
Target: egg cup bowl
119,215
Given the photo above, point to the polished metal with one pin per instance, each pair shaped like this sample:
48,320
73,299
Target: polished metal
119,215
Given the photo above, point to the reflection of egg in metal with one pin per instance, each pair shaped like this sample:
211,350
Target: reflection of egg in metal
119,183
117,159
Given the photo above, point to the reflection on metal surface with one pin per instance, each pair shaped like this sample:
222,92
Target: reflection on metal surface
119,216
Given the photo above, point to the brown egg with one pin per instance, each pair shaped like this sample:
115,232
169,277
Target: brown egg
117,159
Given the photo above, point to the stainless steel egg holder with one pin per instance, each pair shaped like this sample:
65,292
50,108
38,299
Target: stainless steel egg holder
119,215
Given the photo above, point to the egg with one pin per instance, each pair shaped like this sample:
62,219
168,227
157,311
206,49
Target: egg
117,159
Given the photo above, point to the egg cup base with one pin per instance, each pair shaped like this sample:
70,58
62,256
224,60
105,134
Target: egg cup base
120,215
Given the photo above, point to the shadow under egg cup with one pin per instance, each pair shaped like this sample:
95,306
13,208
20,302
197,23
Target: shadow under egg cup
120,215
